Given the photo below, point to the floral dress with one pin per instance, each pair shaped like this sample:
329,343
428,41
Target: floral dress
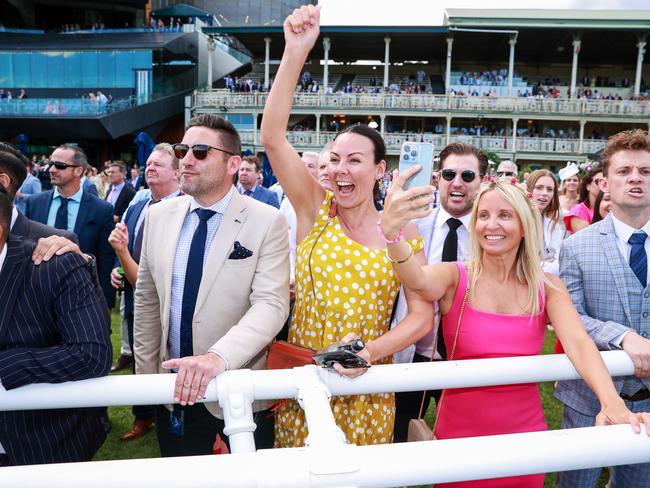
341,287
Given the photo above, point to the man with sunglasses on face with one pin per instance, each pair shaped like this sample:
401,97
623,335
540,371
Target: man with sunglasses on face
507,169
212,289
70,207
446,238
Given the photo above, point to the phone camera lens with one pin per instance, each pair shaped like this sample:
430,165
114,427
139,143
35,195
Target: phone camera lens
406,157
407,148
414,153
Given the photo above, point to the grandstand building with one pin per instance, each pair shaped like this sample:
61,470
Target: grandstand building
537,86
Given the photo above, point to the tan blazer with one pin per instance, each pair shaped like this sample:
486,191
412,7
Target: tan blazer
241,305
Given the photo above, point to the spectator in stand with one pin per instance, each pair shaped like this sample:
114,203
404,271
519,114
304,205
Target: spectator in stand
357,161
136,180
569,189
582,214
542,185
249,171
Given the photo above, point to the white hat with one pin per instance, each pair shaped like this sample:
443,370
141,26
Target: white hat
568,171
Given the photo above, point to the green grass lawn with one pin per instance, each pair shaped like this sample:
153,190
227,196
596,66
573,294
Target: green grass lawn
147,446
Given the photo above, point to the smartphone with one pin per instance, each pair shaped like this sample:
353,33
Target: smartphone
414,153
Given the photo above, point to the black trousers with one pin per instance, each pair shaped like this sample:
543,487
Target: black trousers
200,428
407,405
140,412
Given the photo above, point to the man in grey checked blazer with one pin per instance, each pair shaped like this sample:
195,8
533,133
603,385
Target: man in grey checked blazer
613,302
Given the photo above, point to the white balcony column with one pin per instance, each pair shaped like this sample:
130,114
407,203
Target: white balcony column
382,120
511,64
386,60
211,49
574,67
450,42
514,135
255,133
448,130
326,61
318,130
581,139
639,66
267,61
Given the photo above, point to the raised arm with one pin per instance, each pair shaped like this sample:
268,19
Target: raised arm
301,30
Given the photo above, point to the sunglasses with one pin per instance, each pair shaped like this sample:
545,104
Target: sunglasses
467,175
200,151
501,174
61,165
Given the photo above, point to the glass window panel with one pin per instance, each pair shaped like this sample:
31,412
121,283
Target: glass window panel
142,59
72,69
90,71
38,61
107,69
22,70
124,69
54,69
6,70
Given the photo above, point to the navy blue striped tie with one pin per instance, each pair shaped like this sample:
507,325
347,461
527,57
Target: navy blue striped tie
638,257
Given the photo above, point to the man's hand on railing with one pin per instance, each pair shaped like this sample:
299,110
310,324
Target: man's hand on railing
194,374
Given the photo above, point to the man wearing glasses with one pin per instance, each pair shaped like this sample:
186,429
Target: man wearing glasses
69,207
446,238
212,289
507,169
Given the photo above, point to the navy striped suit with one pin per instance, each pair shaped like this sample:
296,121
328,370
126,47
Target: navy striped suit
52,329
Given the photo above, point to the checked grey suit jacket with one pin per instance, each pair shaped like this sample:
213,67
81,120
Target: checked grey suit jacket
609,298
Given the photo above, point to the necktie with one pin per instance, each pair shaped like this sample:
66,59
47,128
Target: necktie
248,193
111,196
193,274
61,221
139,236
638,257
449,254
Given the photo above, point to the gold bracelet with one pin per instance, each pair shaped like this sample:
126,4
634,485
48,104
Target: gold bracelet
394,261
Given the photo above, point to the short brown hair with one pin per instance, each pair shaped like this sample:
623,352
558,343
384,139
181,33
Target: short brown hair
167,148
229,135
79,157
632,140
121,165
255,161
463,149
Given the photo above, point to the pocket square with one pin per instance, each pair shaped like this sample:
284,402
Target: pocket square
240,252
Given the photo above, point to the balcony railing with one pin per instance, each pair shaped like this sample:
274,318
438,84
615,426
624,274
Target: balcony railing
394,142
62,107
433,103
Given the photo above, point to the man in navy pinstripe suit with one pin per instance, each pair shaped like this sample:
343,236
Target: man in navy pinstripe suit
52,329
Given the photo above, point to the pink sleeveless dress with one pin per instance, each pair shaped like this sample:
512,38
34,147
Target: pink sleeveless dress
494,410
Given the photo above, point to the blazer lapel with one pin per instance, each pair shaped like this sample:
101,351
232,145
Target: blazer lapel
11,285
231,224
616,264
43,210
82,215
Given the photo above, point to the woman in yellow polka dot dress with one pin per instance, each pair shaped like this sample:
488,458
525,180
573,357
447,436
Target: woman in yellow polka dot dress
344,281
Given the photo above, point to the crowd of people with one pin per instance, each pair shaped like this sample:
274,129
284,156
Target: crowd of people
475,265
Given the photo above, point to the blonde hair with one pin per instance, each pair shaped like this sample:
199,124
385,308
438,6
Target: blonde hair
528,265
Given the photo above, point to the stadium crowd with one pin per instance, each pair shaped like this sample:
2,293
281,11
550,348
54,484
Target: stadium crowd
210,272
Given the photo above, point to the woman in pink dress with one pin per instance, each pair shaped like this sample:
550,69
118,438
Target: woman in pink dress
582,214
507,300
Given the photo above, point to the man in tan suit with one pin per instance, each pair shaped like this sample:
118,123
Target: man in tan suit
212,289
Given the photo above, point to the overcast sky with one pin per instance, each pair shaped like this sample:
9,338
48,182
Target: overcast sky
430,12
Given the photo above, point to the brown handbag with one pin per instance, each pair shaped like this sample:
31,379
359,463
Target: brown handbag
285,355
418,429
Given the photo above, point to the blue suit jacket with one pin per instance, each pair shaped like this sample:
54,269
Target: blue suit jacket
609,299
130,220
93,226
265,195
90,187
52,329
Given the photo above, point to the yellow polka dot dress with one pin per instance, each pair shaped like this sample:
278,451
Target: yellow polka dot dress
354,290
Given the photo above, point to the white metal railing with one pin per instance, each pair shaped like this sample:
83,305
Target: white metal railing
328,461
394,140
433,103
